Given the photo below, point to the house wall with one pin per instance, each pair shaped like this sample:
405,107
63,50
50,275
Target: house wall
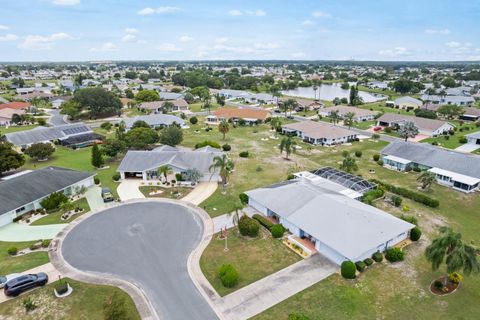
330,253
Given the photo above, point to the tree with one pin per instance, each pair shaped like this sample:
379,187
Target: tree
98,101
97,157
287,145
225,166
289,104
71,108
40,151
171,136
223,127
193,175
449,82
220,99
348,120
427,178
9,158
114,308
140,124
408,130
147,96
130,74
334,116
112,147
450,111
349,164
141,138
165,171
188,97
167,106
67,206
450,249
129,94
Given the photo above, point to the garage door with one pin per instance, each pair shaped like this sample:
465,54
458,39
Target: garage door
5,219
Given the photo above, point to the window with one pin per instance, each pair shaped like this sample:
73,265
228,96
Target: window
19,209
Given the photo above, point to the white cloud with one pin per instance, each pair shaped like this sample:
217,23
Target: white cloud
168,47
66,2
8,37
395,52
107,46
3,27
308,23
453,44
131,30
221,40
321,14
438,31
185,38
257,13
36,42
235,13
159,10
129,37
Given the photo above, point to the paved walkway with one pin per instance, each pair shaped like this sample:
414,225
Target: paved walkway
15,232
201,192
128,189
226,220
267,292
468,147
48,268
94,198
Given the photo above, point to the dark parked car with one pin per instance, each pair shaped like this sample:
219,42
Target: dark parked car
23,283
107,195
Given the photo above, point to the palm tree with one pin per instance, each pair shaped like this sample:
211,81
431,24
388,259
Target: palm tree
349,164
223,127
287,145
66,206
349,119
225,166
275,123
315,88
450,248
408,130
334,116
164,170
427,178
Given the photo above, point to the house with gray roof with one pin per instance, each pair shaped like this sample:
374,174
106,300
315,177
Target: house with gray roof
474,138
155,121
461,171
144,164
429,127
339,227
458,100
319,133
359,113
407,103
23,192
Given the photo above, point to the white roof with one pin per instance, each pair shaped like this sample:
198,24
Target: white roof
397,159
456,176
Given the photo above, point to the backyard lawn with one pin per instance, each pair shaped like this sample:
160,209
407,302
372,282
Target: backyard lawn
55,217
85,302
253,258
13,264
452,141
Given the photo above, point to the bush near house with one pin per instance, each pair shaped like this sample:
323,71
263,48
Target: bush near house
376,157
411,219
277,230
228,275
397,201
226,147
244,199
205,143
53,201
394,254
360,265
193,120
371,195
380,162
263,221
409,194
116,176
96,180
348,270
358,154
368,262
377,257
415,234
248,226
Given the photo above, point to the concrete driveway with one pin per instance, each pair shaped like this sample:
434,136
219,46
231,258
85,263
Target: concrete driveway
148,244
15,232
201,192
468,147
128,189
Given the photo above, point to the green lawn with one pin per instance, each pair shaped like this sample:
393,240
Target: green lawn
253,258
166,192
17,128
197,106
85,302
452,141
364,125
13,264
55,217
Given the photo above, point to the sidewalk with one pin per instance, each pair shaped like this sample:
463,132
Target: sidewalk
224,220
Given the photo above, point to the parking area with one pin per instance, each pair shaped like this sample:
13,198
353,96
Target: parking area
148,244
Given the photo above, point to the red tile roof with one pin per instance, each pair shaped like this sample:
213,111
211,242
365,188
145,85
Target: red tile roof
15,105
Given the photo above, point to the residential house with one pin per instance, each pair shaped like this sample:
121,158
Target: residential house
429,127
407,103
30,96
320,133
470,114
458,100
16,105
22,193
155,121
458,170
249,115
7,114
360,114
474,138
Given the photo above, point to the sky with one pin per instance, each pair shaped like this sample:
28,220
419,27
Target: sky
84,30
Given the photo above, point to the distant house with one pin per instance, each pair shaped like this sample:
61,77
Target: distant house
458,170
320,133
144,164
470,114
30,96
16,105
155,121
429,127
407,103
360,114
250,116
23,192
170,96
7,114
458,91
263,98
179,105
458,100
305,104
474,138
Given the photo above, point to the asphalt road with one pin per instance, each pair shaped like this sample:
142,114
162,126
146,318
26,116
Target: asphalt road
148,244
56,118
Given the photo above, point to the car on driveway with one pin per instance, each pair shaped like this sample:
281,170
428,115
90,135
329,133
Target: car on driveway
26,282
107,195
8,277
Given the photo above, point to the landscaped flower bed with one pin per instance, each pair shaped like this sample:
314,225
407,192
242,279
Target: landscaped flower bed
442,286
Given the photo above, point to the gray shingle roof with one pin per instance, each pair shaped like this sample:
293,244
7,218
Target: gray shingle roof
155,120
431,156
41,134
19,191
421,123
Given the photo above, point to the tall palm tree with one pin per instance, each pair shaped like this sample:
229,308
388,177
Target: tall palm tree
225,166
349,119
223,127
164,170
315,88
450,249
287,145
334,116
427,178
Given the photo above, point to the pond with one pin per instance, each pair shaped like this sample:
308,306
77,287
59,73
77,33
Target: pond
329,92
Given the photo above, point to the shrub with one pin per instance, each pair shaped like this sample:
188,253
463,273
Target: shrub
377,256
345,153
388,130
463,140
178,176
226,147
394,254
415,196
411,219
417,169
193,120
290,176
438,284
228,275
53,201
455,277
29,304
415,234
263,221
368,261
116,176
46,243
348,270
397,201
205,143
371,195
243,198
375,136
61,287
376,157
360,265
358,154
106,125
380,162
277,230
248,226
12,251
243,154
96,180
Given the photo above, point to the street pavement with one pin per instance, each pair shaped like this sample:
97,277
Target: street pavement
56,118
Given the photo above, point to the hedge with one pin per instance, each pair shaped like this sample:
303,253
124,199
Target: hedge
248,226
415,234
116,176
277,230
12,251
409,194
377,256
244,154
263,221
371,195
228,275
205,143
360,265
348,270
368,261
394,254
243,198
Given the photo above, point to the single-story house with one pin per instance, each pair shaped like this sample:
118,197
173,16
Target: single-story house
22,192
249,97
158,120
144,164
429,127
7,114
74,134
473,138
470,114
360,114
459,100
461,171
459,91
17,105
249,115
407,103
319,133
305,104
340,227
30,96
179,105
170,95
